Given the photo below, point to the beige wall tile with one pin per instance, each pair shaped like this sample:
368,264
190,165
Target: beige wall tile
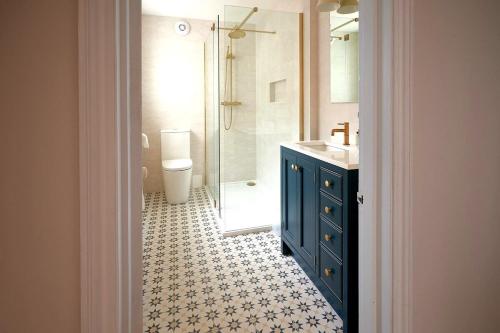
173,89
238,146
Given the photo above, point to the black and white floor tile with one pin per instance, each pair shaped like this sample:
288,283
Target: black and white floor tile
195,280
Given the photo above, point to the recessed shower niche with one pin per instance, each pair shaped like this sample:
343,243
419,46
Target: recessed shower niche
277,91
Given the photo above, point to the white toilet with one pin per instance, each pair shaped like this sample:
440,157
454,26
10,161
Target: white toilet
176,164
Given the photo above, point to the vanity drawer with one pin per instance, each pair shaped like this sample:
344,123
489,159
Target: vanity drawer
331,183
331,272
331,210
331,237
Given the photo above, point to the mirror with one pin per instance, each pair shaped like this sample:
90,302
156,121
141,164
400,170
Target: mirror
344,58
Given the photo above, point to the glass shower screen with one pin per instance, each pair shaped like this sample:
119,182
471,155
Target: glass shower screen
259,106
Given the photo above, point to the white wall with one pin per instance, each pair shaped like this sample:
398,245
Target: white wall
173,89
456,166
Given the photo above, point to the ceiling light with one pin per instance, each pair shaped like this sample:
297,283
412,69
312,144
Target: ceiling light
348,7
328,5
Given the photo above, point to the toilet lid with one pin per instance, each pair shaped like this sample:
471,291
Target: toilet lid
177,165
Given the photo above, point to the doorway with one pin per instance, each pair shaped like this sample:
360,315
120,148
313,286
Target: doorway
103,223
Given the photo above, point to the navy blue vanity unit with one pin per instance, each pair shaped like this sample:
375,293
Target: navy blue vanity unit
319,227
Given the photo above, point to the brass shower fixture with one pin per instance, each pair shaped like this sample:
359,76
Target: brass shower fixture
237,33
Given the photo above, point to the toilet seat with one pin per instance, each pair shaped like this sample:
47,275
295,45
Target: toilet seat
177,165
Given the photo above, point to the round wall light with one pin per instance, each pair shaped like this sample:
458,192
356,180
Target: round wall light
182,28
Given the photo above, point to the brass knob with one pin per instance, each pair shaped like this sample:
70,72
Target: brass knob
292,167
328,237
328,271
296,168
327,183
327,209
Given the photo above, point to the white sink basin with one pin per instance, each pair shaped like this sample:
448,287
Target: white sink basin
319,146
346,157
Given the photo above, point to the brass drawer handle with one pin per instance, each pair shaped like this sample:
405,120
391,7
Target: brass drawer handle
328,271
327,209
327,183
328,237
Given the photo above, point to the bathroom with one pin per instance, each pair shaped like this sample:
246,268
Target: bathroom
276,219
225,90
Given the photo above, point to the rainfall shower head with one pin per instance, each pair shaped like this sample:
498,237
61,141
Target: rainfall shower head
237,34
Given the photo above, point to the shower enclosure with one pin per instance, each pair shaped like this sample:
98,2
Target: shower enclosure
253,102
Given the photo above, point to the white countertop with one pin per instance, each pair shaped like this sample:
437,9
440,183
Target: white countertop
345,157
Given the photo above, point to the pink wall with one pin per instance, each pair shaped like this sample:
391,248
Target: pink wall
319,113
39,200
310,70
330,114
456,153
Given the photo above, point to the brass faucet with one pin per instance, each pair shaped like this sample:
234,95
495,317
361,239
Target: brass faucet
344,130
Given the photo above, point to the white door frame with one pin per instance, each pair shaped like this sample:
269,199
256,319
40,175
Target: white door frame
385,249
110,157
109,34
401,254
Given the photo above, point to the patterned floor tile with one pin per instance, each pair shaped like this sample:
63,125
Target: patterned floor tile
195,280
